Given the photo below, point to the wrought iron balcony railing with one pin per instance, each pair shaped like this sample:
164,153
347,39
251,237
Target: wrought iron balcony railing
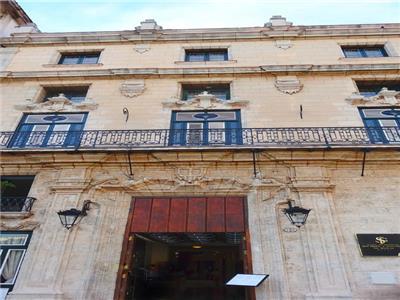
162,138
16,204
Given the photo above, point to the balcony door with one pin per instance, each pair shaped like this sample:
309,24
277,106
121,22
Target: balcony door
49,130
196,128
383,124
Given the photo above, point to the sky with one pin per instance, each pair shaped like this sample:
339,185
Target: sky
101,15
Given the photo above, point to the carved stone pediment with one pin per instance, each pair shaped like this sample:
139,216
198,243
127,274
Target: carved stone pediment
132,88
385,96
288,84
56,104
204,101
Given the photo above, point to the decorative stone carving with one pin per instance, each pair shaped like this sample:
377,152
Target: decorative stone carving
148,26
385,96
288,84
132,88
278,21
204,101
58,103
283,44
141,48
184,178
19,225
16,215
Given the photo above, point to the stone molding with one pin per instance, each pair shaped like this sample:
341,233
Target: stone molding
56,104
154,32
204,101
385,96
19,224
288,84
132,88
157,72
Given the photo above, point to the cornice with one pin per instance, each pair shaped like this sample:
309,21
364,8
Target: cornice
158,72
165,35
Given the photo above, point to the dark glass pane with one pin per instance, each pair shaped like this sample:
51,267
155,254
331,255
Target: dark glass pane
16,186
352,52
221,91
69,60
217,56
90,59
375,52
371,88
195,57
75,94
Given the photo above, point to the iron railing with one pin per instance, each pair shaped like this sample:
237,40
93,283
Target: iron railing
162,138
16,204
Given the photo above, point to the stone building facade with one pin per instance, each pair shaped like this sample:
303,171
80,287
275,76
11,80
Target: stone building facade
266,114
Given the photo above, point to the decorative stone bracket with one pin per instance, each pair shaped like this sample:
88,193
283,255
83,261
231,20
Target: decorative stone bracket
385,96
204,101
58,103
288,84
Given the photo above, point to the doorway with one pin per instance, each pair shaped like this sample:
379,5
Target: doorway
177,266
184,248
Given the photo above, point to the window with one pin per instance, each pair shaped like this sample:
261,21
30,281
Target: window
79,58
13,245
221,91
372,88
14,193
49,130
206,54
76,94
195,128
382,123
364,51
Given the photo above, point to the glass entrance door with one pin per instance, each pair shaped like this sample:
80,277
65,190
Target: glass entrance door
196,128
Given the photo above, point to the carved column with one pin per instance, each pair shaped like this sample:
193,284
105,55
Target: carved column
266,246
313,253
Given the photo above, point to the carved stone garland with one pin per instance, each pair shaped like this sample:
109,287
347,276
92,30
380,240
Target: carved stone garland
204,101
385,96
58,103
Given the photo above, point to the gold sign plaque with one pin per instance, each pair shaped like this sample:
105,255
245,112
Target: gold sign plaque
379,244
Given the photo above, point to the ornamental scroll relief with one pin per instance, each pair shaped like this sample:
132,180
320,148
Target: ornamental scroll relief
204,101
385,96
56,104
132,88
288,84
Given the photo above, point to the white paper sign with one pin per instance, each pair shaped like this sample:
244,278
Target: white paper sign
247,279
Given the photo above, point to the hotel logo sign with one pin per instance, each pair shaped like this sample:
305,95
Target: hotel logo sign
379,244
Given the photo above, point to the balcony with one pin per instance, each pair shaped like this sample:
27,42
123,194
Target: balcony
16,204
281,138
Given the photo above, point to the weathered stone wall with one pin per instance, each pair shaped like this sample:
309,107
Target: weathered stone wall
250,53
319,261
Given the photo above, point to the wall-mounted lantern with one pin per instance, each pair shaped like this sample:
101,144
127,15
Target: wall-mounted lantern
296,215
73,216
